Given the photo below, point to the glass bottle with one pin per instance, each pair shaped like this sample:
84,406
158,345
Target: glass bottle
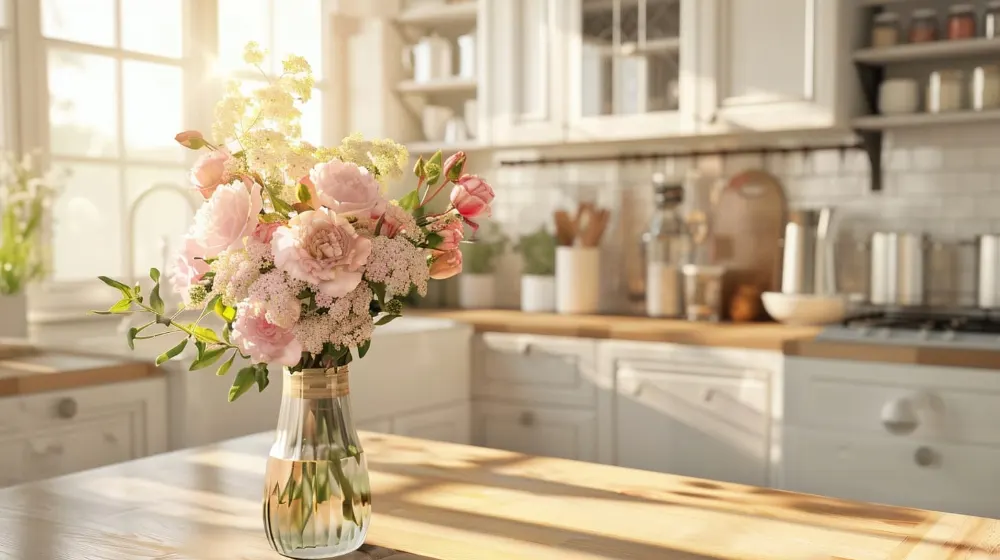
667,248
924,26
885,30
961,22
317,497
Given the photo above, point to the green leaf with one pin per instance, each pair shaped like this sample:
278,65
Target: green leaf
201,348
270,218
203,334
130,337
172,353
378,289
244,380
154,274
207,358
228,314
433,240
410,201
224,368
125,290
363,348
418,168
123,306
261,377
226,331
385,320
302,194
155,301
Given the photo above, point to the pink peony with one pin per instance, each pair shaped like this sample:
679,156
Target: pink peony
450,238
323,249
210,171
265,232
446,264
471,196
228,217
186,271
347,189
262,340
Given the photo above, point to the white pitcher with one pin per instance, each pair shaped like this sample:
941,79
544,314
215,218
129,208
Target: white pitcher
429,59
467,56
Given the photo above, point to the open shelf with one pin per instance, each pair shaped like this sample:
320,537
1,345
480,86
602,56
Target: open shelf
425,148
936,50
446,85
915,120
877,3
440,14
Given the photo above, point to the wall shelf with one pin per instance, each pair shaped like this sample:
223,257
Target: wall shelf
447,85
916,120
936,50
426,149
440,14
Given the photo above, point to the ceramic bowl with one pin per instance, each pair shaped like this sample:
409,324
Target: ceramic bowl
805,309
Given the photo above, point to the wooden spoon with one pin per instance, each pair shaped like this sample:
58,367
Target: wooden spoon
565,228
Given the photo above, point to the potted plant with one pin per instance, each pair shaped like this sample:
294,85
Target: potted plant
476,285
538,284
25,196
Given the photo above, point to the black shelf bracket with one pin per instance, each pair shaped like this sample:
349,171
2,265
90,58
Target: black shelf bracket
870,77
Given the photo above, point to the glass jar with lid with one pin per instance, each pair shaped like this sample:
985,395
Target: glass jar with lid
991,20
985,87
944,91
924,25
961,22
667,247
885,30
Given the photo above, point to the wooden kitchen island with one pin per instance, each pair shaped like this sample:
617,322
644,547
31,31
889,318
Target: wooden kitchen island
452,502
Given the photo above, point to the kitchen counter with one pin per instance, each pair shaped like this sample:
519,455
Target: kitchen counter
452,502
760,336
894,353
25,370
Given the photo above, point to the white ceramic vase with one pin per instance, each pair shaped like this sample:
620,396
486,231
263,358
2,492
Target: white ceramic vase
538,293
578,279
14,316
476,291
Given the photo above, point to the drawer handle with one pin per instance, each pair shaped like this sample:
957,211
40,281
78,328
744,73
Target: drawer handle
51,449
110,438
527,418
67,408
925,457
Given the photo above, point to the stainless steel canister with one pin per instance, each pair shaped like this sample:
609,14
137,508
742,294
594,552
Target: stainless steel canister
897,268
988,287
808,258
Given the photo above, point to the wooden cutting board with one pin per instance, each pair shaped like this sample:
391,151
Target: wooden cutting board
748,224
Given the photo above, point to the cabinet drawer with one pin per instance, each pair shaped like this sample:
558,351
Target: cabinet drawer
549,432
84,445
882,469
539,369
450,423
11,462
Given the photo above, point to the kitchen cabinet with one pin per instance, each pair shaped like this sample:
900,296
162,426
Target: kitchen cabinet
536,430
450,423
695,411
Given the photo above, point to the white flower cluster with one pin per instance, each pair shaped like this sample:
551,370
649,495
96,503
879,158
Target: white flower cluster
398,264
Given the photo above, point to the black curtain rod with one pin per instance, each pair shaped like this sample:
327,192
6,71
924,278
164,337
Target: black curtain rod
694,154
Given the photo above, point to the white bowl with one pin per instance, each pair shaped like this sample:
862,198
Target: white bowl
805,309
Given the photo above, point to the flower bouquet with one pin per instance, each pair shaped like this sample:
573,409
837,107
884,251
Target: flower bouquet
300,255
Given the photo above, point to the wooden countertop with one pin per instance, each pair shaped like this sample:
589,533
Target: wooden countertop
454,502
760,336
26,370
894,353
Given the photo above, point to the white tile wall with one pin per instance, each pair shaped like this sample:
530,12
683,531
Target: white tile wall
943,181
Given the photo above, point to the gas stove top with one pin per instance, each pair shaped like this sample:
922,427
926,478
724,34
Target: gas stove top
963,328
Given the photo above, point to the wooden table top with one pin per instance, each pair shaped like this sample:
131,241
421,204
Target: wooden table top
25,370
453,502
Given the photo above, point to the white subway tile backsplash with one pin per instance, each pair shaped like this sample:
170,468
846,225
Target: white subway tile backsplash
926,158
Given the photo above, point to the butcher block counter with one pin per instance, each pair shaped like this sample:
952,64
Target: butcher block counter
452,502
26,370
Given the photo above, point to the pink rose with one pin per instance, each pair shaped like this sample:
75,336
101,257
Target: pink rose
265,232
186,271
262,340
450,238
471,196
446,264
191,139
210,171
228,217
313,200
454,166
347,189
323,249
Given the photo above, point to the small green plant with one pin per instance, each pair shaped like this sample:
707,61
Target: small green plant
539,252
25,197
479,254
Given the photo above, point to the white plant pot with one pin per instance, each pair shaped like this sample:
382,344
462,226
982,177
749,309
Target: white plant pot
14,316
476,291
578,279
538,293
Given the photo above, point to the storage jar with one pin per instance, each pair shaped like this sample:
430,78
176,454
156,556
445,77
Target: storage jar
897,96
991,20
985,87
944,91
924,26
885,30
961,22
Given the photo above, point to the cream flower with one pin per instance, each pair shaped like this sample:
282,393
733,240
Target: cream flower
227,217
321,248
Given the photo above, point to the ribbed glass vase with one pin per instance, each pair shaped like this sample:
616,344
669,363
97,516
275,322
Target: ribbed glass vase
317,499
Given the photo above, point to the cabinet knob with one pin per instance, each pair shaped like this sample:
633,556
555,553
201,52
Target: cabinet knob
925,456
110,438
899,417
527,418
709,395
67,408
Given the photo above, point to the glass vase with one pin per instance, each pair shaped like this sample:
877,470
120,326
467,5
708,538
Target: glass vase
317,498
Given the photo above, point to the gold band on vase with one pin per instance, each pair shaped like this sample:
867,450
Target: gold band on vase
319,383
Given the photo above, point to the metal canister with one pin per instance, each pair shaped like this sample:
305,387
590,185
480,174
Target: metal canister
988,286
897,268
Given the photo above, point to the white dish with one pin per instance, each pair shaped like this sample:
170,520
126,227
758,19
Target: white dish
804,309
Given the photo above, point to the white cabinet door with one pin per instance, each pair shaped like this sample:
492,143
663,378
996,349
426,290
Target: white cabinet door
84,445
803,80
451,424
548,432
11,461
631,68
526,103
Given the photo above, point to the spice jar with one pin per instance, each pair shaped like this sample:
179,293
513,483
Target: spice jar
924,27
985,87
991,20
944,91
961,22
885,30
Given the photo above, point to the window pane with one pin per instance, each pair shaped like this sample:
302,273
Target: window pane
312,119
241,21
298,30
82,21
152,26
165,214
87,218
5,13
154,94
83,115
